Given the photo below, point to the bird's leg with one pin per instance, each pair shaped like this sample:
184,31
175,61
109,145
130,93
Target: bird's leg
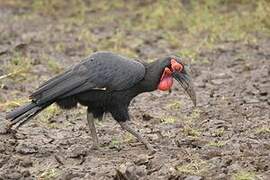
126,127
91,123
103,117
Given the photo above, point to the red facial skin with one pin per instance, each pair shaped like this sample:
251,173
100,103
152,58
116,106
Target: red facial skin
176,66
166,80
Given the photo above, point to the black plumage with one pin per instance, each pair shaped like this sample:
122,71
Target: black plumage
104,82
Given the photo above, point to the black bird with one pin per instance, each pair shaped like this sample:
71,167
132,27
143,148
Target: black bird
106,83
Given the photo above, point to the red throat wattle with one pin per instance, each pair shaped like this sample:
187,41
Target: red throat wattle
166,80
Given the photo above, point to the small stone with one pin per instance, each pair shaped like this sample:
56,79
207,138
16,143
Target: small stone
26,173
26,162
147,117
12,142
127,171
26,149
217,81
142,159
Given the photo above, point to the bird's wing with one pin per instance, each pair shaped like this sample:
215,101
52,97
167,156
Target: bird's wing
102,70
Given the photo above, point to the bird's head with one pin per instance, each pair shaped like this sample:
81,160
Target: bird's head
174,68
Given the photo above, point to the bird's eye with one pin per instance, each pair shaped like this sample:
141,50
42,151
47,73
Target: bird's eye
176,66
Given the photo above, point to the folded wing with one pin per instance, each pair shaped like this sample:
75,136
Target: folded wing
102,70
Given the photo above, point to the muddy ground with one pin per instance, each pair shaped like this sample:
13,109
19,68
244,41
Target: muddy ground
225,137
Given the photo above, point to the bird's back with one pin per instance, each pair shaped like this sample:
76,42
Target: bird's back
102,70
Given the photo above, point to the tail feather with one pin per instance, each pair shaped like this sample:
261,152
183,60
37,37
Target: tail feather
24,113
19,111
26,118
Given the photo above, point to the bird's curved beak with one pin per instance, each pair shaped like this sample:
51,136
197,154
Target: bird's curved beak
184,79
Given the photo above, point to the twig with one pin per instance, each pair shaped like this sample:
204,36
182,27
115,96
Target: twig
10,74
5,76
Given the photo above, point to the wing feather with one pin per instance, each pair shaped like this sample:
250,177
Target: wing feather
103,71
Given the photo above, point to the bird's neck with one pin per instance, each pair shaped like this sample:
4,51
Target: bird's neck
150,82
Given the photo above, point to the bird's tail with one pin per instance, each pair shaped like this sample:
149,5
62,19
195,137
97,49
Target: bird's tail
24,113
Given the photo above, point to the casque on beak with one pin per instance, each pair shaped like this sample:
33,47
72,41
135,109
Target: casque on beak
184,79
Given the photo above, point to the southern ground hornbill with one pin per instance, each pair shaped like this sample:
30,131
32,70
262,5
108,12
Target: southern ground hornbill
105,82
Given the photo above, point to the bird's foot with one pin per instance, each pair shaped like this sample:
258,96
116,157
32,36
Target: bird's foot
125,126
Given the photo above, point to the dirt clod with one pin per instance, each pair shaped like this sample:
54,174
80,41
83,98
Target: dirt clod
26,148
26,162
